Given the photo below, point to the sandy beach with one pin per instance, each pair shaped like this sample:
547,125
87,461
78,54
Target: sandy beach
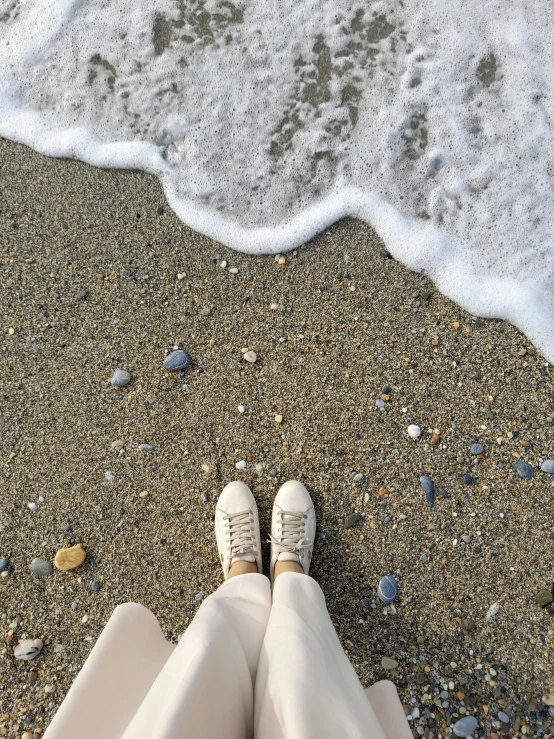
97,275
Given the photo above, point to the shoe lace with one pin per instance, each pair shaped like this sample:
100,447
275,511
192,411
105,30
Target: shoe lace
240,532
292,537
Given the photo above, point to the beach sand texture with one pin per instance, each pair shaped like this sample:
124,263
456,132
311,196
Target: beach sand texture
90,262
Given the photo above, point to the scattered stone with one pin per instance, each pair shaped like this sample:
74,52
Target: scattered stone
503,717
145,448
250,356
428,488
233,270
476,449
3,564
467,624
387,590
380,404
524,470
443,492
28,649
95,587
477,376
144,494
177,360
110,477
357,477
465,726
278,419
384,253
435,438
466,538
467,479
548,699
414,431
117,445
204,497
352,520
69,558
388,663
386,390
545,597
120,378
548,466
241,409
40,567
241,465
273,472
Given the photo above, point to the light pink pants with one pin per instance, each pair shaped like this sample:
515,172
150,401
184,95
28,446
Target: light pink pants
245,667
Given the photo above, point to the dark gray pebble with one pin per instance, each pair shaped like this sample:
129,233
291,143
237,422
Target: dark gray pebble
385,253
548,466
3,564
476,449
387,589
120,378
273,472
477,376
386,390
468,479
428,488
95,587
204,497
443,492
74,606
524,470
177,360
352,520
40,567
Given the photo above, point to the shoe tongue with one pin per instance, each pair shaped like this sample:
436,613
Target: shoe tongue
288,557
244,558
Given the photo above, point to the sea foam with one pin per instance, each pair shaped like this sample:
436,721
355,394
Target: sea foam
267,121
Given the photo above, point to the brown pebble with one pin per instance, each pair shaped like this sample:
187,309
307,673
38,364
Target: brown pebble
434,439
68,559
382,491
249,458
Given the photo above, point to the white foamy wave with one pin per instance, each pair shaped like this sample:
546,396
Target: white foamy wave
266,122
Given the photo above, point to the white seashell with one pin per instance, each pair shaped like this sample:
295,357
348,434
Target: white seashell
28,649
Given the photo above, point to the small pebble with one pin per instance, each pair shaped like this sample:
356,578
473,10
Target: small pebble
493,610
250,356
548,466
3,564
28,649
241,409
386,390
414,431
388,663
465,726
273,472
145,448
387,589
40,567
198,597
380,404
110,477
503,717
241,465
352,520
233,271
117,445
357,477
223,264
95,587
69,558
120,378
524,470
176,361
545,597
204,497
476,449
428,488
468,479
278,419
466,538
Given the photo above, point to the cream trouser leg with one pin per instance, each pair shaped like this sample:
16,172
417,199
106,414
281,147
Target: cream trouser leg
135,685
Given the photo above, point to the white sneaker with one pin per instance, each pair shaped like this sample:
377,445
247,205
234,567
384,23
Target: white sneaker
292,526
237,528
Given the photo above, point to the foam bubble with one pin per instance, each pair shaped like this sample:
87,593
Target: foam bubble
266,122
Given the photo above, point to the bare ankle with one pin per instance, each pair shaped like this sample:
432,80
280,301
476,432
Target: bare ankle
287,566
240,567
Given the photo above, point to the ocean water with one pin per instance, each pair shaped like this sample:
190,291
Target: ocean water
267,121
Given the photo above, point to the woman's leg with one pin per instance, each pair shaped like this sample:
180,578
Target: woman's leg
138,686
306,687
